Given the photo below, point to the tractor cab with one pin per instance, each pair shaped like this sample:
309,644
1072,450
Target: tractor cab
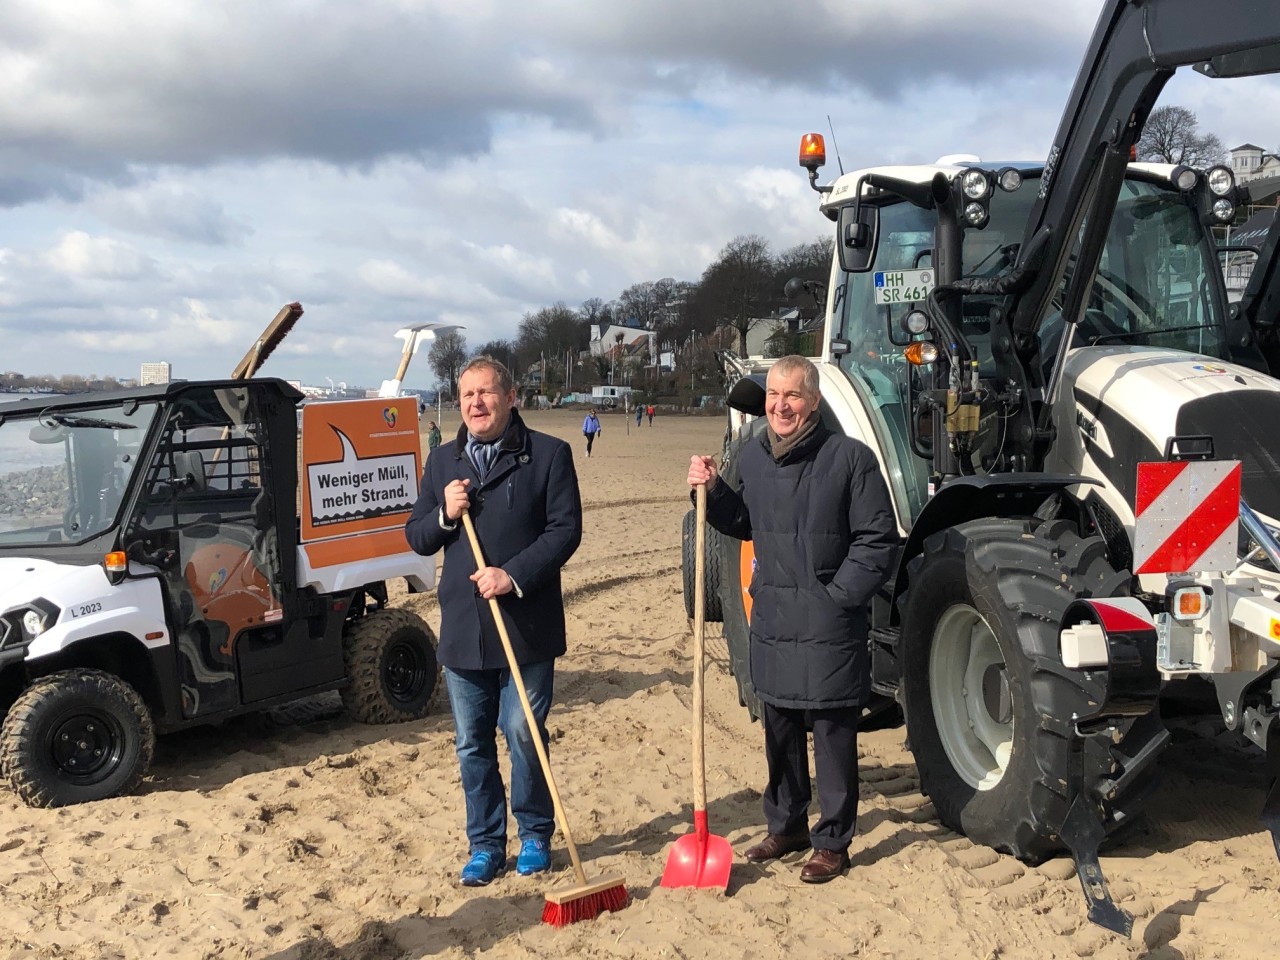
894,328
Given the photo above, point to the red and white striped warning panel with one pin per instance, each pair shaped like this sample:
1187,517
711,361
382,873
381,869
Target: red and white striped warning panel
1187,514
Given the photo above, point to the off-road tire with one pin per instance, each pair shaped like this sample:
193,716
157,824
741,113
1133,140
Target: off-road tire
76,736
711,607
390,656
1019,575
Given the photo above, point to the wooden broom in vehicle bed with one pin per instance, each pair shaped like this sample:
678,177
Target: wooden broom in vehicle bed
276,331
588,898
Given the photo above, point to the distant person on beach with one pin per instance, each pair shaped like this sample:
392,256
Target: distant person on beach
590,428
639,413
815,505
521,490
433,435
649,411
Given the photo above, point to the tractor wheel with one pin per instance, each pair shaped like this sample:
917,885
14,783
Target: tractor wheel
711,608
987,700
390,656
688,555
76,736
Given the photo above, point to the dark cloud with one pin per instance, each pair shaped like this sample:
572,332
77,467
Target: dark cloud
95,92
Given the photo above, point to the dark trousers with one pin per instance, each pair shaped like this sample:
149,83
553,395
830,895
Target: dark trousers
591,438
835,754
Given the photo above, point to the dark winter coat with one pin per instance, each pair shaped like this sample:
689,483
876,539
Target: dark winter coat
528,517
825,538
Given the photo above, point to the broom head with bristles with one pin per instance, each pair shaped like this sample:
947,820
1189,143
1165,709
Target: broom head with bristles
585,901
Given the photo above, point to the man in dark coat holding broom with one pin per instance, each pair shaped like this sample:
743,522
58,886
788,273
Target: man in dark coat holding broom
522,493
816,507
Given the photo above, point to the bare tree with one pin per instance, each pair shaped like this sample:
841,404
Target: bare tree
504,351
447,356
737,288
644,303
1172,135
595,312
552,331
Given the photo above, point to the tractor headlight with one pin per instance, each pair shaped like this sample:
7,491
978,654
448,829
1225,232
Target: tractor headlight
34,623
1184,178
1010,179
1224,210
975,184
1220,181
917,321
975,214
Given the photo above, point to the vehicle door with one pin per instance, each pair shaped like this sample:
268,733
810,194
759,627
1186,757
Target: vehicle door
205,517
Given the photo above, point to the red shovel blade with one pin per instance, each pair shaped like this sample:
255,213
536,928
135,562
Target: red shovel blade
700,859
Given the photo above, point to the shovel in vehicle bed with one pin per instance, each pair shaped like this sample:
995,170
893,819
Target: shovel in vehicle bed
700,859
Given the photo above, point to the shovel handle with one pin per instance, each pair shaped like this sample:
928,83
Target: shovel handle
699,645
530,719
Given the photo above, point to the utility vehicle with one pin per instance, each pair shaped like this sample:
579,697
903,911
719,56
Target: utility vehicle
156,571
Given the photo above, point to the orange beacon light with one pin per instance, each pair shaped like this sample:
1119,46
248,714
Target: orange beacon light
813,151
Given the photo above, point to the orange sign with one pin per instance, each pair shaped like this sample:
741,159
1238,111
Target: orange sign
361,460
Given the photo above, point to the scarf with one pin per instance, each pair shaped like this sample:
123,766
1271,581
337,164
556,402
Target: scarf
780,446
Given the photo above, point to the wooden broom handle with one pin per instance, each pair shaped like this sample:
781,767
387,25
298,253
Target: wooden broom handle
528,709
699,643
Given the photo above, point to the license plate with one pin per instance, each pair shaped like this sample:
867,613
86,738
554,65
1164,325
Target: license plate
902,286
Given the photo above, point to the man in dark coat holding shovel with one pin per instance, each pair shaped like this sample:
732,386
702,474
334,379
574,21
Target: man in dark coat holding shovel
522,493
816,507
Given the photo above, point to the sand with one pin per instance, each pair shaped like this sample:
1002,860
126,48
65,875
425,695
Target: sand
304,835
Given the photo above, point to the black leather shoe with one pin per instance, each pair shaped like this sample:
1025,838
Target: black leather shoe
776,845
824,865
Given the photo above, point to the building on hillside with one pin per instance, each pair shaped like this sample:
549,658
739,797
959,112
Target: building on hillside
155,371
766,329
1259,170
605,340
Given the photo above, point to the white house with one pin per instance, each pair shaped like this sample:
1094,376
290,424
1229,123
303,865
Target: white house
1258,169
604,339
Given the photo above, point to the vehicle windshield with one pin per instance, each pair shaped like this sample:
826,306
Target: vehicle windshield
1154,287
64,472
1155,284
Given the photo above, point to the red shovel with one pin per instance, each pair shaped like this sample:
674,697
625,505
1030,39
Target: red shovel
700,859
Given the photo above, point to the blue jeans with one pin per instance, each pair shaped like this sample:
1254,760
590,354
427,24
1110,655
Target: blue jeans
484,701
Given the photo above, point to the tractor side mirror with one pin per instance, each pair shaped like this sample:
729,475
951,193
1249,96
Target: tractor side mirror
857,236
188,471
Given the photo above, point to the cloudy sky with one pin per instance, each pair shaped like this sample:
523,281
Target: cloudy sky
172,173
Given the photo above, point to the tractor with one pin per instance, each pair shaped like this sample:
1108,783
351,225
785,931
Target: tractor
1078,432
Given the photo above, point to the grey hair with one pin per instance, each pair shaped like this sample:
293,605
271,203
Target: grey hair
794,362
506,383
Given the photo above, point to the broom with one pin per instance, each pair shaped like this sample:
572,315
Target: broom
587,899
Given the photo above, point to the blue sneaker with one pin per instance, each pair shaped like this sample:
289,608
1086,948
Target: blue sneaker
483,866
535,857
